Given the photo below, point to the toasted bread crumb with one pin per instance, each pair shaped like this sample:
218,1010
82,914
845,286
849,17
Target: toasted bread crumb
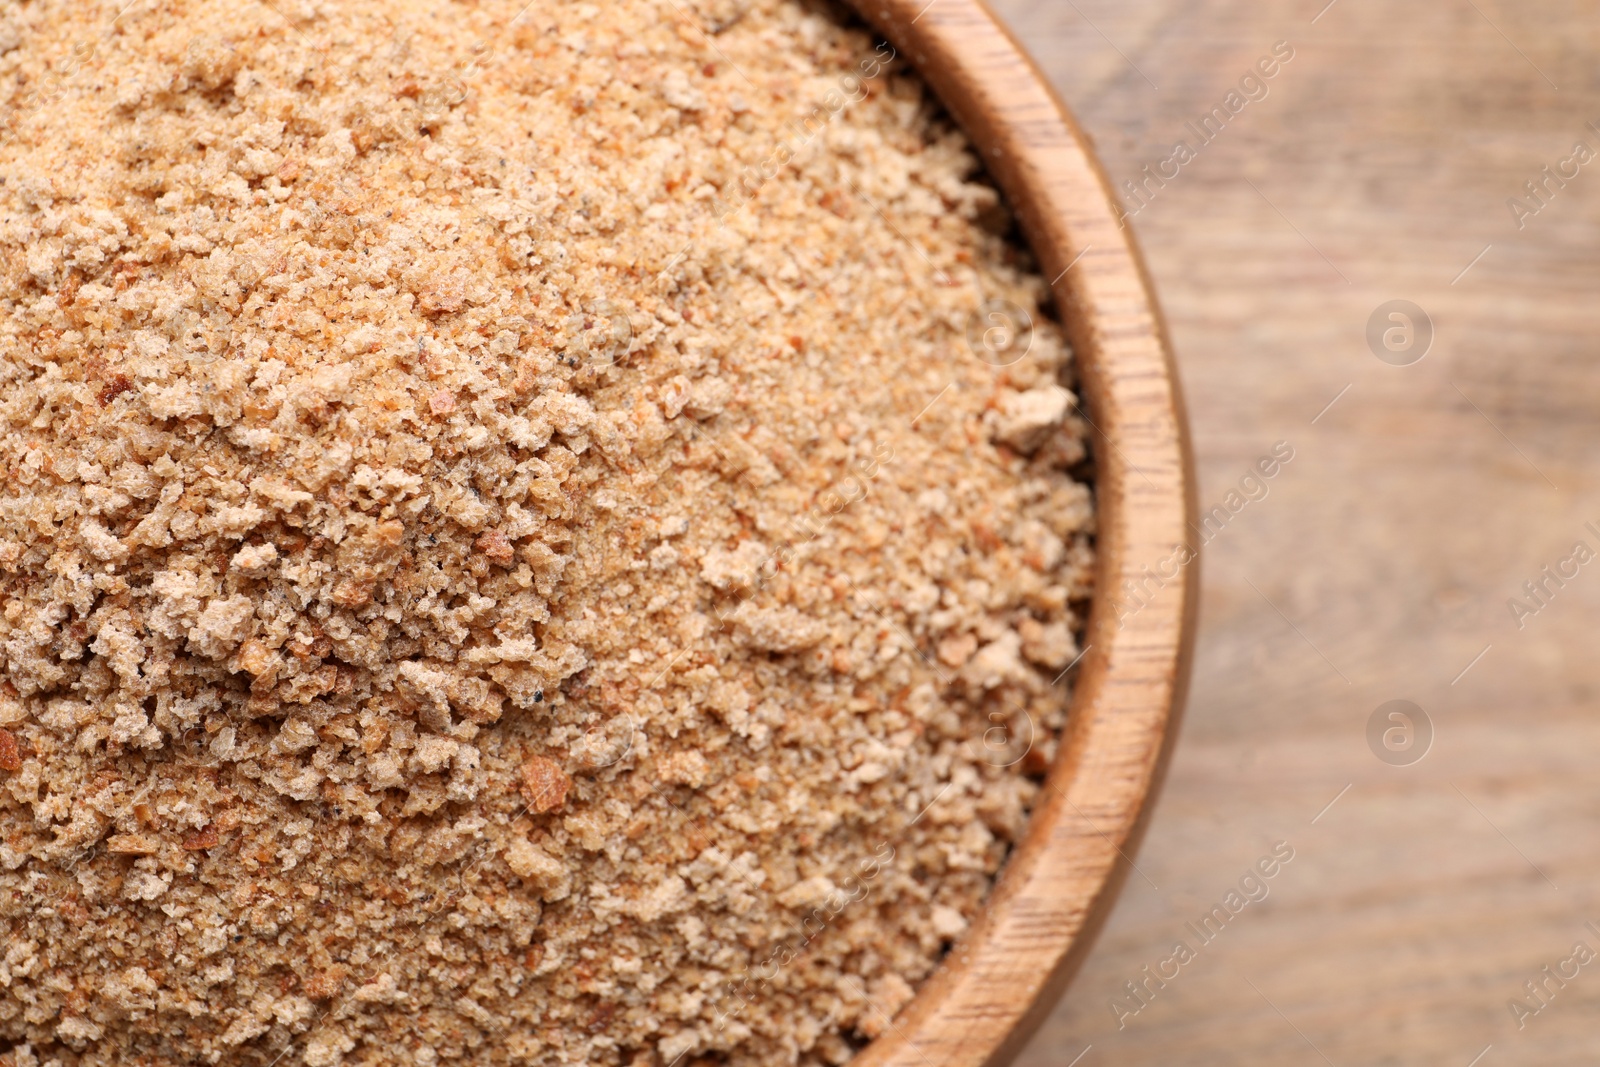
508,554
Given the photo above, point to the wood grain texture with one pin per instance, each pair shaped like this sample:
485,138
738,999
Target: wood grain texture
1418,905
1059,883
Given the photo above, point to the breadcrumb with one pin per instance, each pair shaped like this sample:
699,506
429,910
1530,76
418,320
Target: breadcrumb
507,554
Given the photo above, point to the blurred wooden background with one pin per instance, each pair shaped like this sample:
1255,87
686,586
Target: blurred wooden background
1378,167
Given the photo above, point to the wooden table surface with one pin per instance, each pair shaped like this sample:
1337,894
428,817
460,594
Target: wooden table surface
1383,557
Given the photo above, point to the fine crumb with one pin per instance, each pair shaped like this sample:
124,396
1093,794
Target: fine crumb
508,552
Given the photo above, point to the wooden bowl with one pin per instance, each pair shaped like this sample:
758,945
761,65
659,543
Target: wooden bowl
1057,887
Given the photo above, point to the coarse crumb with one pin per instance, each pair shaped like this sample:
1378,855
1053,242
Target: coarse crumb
508,553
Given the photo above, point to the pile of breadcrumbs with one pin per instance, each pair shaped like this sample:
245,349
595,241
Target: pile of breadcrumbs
507,553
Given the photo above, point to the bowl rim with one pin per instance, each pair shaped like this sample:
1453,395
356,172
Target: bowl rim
1002,977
